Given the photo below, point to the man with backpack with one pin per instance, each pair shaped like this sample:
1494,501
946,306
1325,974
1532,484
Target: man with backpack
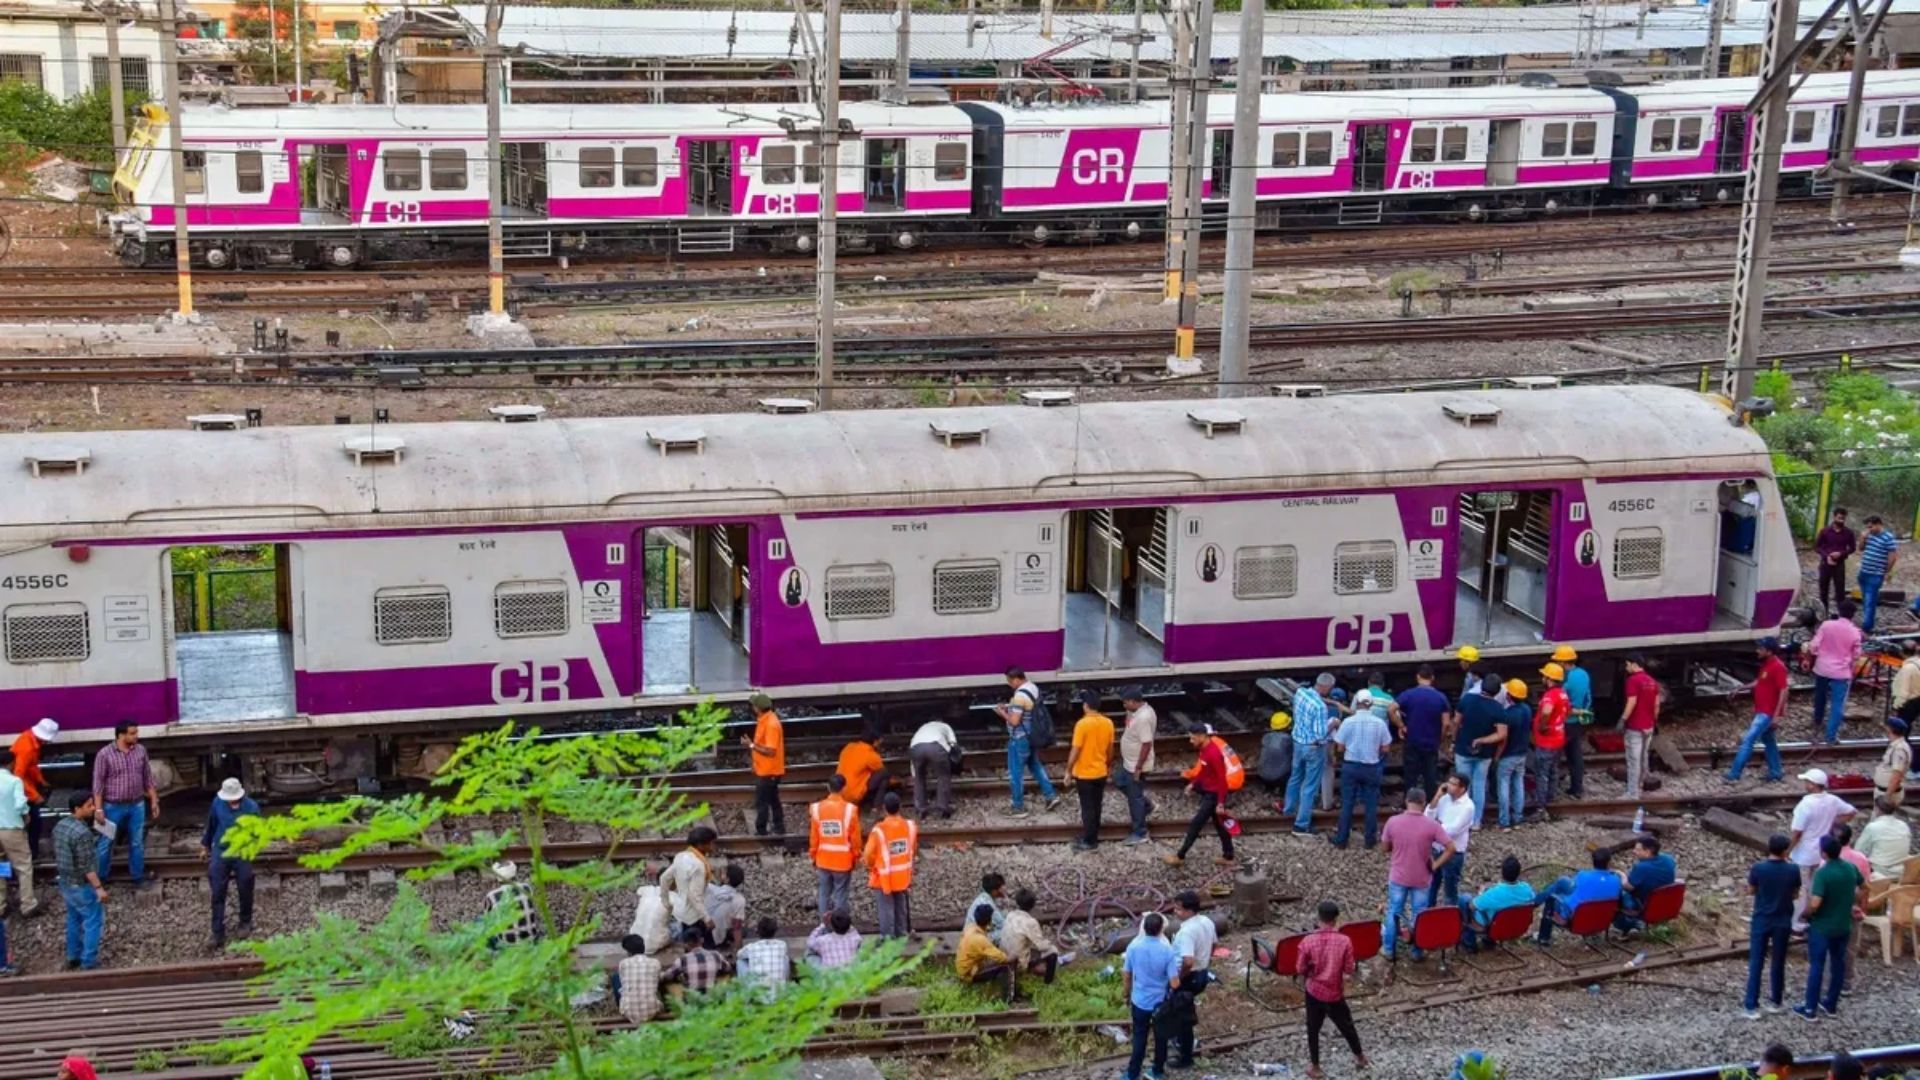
1029,731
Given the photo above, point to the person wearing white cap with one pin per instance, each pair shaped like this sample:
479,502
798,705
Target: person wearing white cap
1813,818
229,806
517,899
26,766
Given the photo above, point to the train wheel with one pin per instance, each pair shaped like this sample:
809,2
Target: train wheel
342,256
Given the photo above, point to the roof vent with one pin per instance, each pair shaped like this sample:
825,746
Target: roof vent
1535,382
681,439
517,414
958,432
43,459
1217,421
1470,412
1298,390
218,421
365,448
1046,399
785,406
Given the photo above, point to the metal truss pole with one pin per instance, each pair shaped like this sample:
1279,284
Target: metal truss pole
1769,131
1242,207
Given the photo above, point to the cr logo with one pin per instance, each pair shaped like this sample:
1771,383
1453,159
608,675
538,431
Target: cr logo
1352,635
527,681
1103,166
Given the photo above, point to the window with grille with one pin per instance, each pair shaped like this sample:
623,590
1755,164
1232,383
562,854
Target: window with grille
1887,121
1366,566
1453,144
1266,572
411,615
1690,133
447,170
133,75
596,167
950,161
1638,553
966,588
1661,141
346,30
859,592
1801,128
1286,150
776,165
249,172
1553,141
400,170
1423,145
639,166
531,609
1585,134
47,633
21,67
1319,148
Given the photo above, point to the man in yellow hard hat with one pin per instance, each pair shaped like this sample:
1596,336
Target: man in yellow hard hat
1276,753
1579,688
1510,769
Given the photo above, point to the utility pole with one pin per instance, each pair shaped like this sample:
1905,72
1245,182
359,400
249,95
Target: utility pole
496,165
116,89
177,160
299,62
1192,77
273,42
1710,55
1768,139
903,51
1237,320
1133,51
1850,116
828,243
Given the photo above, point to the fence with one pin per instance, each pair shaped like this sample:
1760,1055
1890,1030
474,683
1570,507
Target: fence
1889,491
224,598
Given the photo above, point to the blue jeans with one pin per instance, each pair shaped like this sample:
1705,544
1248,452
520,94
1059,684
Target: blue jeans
1824,952
1303,783
1136,794
1511,778
1761,732
85,919
1020,761
1470,926
1764,946
1145,1026
1399,896
1554,902
1829,692
1447,879
1475,770
1359,782
130,819
1869,598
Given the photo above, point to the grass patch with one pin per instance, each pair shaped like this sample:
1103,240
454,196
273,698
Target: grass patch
1420,279
1077,994
942,992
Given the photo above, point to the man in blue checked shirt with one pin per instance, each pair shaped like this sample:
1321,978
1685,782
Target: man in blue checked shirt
1878,556
1311,722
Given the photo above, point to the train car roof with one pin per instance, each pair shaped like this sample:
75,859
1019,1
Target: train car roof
1331,107
1823,85
255,481
431,121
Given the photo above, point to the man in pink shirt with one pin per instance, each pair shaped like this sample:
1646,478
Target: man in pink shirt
1836,648
1416,846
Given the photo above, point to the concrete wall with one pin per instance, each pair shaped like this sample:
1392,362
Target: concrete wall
66,49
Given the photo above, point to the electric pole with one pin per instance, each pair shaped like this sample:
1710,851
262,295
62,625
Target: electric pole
828,242
1850,116
496,164
299,62
1768,139
177,160
1237,319
1133,51
1193,76
1710,55
116,89
903,51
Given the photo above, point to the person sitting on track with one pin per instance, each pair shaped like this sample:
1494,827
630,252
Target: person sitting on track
978,959
1025,943
993,895
835,942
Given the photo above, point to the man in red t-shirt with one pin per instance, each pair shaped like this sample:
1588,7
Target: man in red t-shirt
1549,736
1769,701
1641,714
1210,788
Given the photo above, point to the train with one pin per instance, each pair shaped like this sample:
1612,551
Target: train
431,575
349,185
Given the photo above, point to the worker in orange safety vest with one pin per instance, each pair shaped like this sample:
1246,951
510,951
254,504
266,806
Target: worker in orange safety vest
833,843
889,854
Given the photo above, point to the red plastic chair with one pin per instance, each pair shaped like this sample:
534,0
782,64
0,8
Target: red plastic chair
1437,932
1281,958
1663,905
1508,926
1368,938
1590,923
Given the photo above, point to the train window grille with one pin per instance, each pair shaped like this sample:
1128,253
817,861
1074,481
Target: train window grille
1689,133
966,588
1365,566
1266,572
400,170
810,164
22,67
1801,129
447,170
1887,121
249,172
1638,553
776,165
1423,145
859,592
1660,141
196,166
596,167
1586,135
531,609
1910,121
1553,140
133,75
47,633
1286,150
639,166
1319,148
950,161
1453,144
412,615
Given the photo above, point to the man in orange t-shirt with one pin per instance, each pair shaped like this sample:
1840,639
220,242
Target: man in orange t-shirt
865,770
1087,763
26,766
768,748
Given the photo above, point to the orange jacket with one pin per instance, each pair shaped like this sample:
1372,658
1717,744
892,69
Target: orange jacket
26,766
858,762
889,854
768,733
1236,770
833,836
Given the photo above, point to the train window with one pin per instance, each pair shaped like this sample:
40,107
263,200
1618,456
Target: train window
1638,553
950,161
1286,150
1319,148
196,164
530,608
1585,134
1453,144
1266,572
1365,566
639,166
1553,140
1423,145
447,170
400,170
1689,133
1887,121
809,164
249,172
1801,129
412,614
1661,141
776,165
859,592
596,166
1910,121
967,587
47,633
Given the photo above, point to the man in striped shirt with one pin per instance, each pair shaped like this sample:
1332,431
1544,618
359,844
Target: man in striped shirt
1878,556
1310,723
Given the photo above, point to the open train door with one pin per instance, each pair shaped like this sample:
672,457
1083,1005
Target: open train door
1118,591
1736,576
1505,547
695,602
231,633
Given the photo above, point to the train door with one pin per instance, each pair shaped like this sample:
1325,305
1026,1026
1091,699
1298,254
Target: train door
1736,578
326,193
710,176
524,186
1221,172
1369,157
695,598
886,174
1119,587
1503,154
1730,155
231,640
1504,551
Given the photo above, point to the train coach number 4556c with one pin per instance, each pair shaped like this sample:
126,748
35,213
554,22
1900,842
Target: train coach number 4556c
1630,506
33,581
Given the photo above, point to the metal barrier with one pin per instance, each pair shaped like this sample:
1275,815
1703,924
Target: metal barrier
1890,491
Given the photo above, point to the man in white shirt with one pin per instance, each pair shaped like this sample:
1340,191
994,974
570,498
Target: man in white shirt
1136,760
1454,811
1193,944
1813,818
931,752
765,963
684,883
1887,841
727,908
